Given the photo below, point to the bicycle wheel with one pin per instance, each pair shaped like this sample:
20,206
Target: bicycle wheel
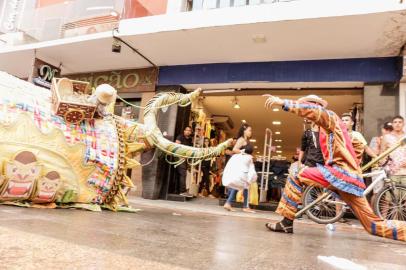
390,202
326,211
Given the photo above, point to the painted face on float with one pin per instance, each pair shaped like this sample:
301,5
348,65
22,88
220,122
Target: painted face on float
48,185
22,173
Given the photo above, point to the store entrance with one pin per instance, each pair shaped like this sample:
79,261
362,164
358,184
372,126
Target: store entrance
218,117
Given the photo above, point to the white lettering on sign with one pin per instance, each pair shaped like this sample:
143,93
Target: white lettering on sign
12,12
47,73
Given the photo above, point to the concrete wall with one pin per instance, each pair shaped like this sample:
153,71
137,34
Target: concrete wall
381,103
136,173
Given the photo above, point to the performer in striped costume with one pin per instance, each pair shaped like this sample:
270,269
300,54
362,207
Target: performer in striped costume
340,173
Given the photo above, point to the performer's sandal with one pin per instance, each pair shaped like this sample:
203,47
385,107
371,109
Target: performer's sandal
279,227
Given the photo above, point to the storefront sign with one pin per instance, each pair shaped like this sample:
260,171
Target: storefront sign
43,73
134,80
11,15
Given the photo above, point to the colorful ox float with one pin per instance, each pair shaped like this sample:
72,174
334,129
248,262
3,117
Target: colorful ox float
56,156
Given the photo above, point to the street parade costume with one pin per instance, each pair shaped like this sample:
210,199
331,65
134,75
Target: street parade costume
57,151
340,173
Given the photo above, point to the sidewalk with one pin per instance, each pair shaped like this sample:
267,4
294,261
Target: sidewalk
199,205
211,207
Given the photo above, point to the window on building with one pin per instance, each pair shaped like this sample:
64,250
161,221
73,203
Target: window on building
256,2
225,3
197,4
143,8
238,3
212,4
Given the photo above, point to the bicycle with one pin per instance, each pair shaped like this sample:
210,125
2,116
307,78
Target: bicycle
323,206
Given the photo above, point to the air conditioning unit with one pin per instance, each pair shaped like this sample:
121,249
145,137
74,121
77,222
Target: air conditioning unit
223,121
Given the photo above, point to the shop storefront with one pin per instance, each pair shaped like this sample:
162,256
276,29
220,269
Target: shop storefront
233,95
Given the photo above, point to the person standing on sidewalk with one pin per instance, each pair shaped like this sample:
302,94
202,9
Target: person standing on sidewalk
376,142
243,139
397,162
185,139
205,168
310,152
358,141
229,151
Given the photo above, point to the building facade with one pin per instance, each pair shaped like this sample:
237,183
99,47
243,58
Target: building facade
240,47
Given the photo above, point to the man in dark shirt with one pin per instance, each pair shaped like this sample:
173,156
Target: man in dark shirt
185,139
310,152
229,151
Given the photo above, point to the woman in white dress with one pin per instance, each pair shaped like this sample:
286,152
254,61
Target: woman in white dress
243,139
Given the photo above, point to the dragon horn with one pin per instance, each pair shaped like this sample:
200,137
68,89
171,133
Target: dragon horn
156,138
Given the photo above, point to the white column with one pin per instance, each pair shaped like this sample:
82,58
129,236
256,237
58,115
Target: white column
176,6
402,90
402,100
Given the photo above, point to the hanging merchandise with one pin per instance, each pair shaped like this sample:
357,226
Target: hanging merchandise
194,116
357,114
208,128
252,195
213,133
201,117
222,136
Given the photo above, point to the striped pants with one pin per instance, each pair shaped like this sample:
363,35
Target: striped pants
292,196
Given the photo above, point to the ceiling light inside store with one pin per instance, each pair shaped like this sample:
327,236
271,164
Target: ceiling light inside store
255,147
277,132
236,105
275,109
278,146
279,151
258,153
260,38
276,122
253,140
243,121
278,140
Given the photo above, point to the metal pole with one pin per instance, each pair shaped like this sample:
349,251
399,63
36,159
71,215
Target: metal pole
401,142
261,192
269,147
265,167
325,195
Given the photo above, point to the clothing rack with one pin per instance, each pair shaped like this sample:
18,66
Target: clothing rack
196,172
